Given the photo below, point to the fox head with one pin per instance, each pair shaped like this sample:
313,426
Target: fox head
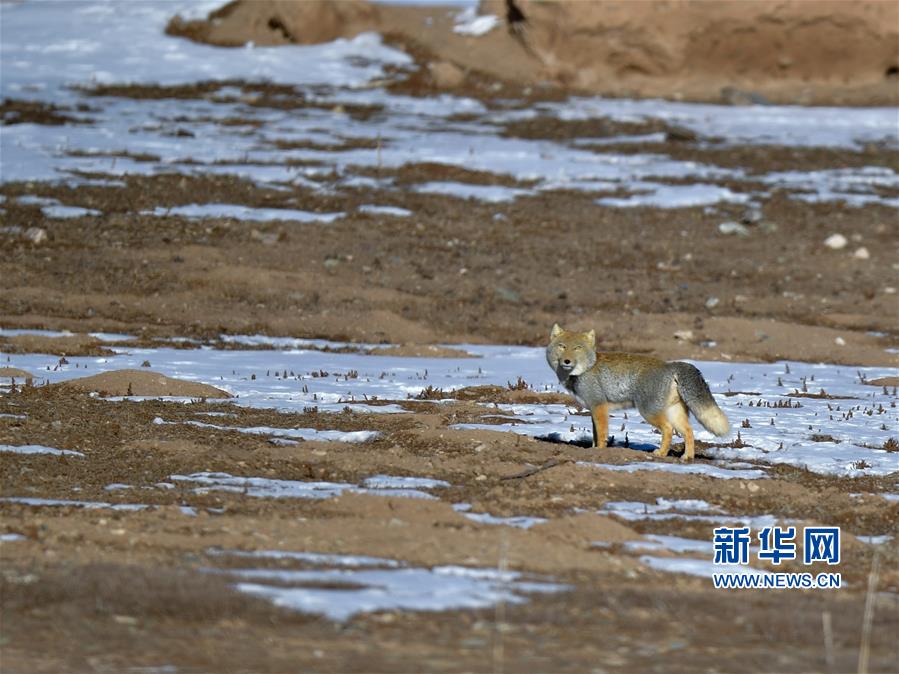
570,353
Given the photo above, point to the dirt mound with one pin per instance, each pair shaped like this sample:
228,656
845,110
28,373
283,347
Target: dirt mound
587,529
420,351
880,381
744,52
140,383
70,345
15,374
274,22
815,51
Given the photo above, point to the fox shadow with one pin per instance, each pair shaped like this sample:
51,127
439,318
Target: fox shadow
586,442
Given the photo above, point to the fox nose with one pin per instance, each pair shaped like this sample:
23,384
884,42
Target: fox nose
567,361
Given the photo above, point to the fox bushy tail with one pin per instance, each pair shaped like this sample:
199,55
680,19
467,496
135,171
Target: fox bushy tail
695,393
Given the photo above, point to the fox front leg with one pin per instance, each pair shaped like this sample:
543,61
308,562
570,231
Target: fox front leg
600,415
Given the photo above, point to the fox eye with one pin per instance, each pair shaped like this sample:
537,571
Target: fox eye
577,348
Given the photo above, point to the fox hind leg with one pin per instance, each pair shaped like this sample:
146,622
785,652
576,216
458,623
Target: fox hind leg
678,417
661,422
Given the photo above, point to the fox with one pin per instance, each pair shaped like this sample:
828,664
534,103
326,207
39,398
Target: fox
663,392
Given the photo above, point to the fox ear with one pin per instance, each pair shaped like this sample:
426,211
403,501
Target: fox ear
591,337
556,331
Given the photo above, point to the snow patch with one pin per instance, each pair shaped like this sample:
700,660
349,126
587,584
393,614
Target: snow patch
366,584
38,449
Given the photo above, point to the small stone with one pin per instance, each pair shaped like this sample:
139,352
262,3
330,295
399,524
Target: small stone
839,341
712,302
265,238
684,335
36,235
752,215
836,241
728,228
861,253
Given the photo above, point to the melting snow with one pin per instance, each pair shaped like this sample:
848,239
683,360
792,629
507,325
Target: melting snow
200,211
489,193
468,22
518,521
261,487
697,567
301,433
331,380
691,468
65,503
672,543
675,196
366,584
48,54
62,212
385,210
38,449
682,509
393,482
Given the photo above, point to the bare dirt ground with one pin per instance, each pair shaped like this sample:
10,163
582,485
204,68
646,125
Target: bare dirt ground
117,591
129,591
100,590
458,275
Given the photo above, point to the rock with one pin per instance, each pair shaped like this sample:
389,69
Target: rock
836,241
752,216
265,238
728,228
861,253
446,75
712,302
684,335
839,341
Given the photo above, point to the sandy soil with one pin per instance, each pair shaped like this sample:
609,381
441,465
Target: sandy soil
143,383
135,577
642,277
799,51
